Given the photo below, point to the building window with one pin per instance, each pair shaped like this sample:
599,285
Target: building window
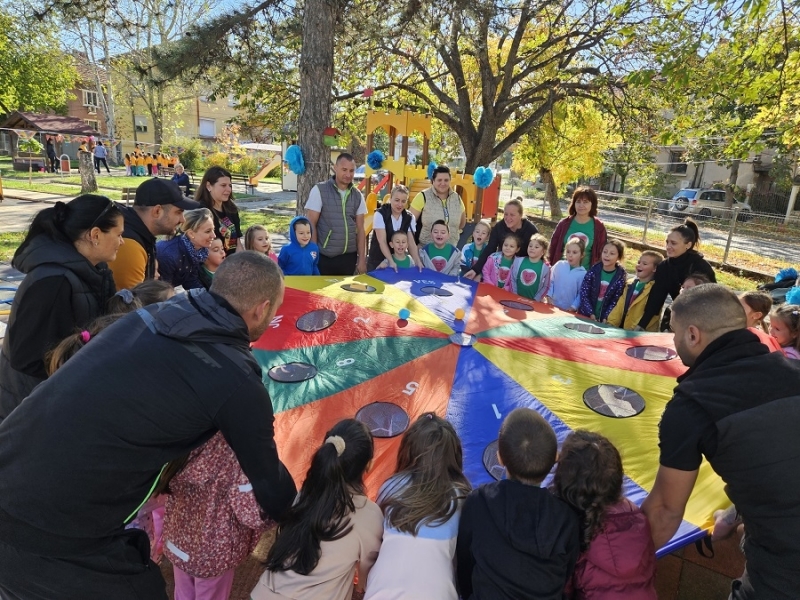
676,164
232,102
207,128
93,124
90,99
141,124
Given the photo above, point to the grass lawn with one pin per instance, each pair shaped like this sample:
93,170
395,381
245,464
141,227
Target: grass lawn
9,242
273,223
56,188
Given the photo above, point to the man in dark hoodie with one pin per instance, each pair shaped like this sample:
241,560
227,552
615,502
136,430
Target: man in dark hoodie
516,540
738,406
84,451
157,210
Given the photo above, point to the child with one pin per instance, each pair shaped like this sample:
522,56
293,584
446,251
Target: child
216,254
150,291
140,165
332,526
257,238
212,521
497,269
566,277
516,540
421,504
784,326
630,308
127,161
618,559
756,306
300,256
531,274
440,255
399,246
603,284
694,279
472,251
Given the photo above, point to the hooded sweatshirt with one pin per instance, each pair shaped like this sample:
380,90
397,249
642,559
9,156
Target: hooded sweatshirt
295,259
61,292
620,562
84,450
515,541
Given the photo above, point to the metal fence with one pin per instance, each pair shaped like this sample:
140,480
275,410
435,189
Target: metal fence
748,240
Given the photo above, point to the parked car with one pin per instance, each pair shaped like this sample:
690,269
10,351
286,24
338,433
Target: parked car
705,203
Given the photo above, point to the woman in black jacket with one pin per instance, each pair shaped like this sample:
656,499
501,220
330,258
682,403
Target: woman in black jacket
682,260
66,286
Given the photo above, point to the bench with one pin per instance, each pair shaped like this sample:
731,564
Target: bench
128,195
244,180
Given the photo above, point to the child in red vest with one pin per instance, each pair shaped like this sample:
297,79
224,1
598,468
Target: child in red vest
618,559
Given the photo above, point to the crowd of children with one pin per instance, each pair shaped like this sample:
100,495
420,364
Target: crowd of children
150,164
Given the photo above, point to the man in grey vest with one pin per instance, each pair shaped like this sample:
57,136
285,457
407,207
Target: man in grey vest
336,211
739,406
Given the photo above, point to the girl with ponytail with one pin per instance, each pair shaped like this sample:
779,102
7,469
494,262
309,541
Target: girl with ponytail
332,527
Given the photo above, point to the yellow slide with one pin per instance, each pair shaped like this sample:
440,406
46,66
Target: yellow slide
275,162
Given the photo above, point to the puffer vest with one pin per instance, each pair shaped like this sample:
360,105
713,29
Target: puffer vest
435,211
336,227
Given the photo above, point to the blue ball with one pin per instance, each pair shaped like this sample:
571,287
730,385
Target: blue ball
404,313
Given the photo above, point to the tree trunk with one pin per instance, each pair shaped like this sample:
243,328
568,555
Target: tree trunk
316,83
550,193
86,169
622,179
731,185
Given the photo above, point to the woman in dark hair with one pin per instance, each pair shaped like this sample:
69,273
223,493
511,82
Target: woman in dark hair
582,223
332,526
618,559
438,202
682,260
215,193
67,285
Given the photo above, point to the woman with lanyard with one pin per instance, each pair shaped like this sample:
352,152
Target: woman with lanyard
683,259
389,219
513,222
582,223
439,202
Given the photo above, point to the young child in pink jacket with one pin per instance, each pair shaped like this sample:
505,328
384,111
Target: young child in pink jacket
212,522
498,268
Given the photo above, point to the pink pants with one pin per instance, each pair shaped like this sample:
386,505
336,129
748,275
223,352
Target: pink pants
197,588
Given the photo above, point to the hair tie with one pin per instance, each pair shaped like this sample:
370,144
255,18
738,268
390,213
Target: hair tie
86,336
126,295
337,442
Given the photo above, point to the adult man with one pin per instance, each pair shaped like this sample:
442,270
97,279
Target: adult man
336,211
739,406
157,210
81,454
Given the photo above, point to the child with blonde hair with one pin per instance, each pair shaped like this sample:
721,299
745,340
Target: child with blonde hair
257,238
471,252
756,306
531,274
566,277
498,268
784,326
629,309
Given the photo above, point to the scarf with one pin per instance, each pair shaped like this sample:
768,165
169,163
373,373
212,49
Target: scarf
198,256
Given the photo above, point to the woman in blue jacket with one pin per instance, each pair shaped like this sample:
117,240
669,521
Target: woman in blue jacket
180,258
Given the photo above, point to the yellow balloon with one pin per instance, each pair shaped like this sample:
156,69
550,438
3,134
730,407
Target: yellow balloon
459,313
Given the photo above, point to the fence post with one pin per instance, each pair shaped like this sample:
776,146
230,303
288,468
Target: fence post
731,231
647,220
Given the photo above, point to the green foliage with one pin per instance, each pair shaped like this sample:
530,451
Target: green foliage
217,159
649,180
31,146
245,165
191,158
34,73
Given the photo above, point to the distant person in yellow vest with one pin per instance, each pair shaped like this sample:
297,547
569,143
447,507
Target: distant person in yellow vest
439,203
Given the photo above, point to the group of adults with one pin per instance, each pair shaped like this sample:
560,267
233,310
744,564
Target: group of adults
81,450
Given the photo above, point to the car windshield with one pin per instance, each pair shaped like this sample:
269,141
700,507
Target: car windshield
685,194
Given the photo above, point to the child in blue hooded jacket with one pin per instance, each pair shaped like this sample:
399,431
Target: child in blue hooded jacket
300,256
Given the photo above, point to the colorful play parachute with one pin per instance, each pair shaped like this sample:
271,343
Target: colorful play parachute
338,348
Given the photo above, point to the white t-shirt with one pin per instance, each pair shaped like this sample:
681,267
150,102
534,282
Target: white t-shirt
378,222
314,201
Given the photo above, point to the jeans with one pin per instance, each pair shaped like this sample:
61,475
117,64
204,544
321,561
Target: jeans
97,162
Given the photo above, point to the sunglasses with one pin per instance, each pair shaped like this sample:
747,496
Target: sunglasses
111,204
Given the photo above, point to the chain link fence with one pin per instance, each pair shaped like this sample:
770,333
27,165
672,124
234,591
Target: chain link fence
751,240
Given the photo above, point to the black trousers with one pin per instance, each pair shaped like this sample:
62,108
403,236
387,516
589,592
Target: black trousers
344,264
97,162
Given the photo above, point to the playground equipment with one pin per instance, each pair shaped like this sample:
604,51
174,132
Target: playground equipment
266,169
479,203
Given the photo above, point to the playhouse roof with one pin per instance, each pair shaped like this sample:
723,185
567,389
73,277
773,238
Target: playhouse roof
47,123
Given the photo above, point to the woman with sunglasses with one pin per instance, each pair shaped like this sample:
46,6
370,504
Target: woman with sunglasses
66,286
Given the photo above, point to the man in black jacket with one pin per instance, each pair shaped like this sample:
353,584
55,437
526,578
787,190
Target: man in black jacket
84,451
739,406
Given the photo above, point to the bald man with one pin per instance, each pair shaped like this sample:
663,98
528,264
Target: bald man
739,406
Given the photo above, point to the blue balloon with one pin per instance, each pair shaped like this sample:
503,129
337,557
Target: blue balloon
404,313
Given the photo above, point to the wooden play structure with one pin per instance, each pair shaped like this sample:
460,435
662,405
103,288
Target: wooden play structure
479,203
